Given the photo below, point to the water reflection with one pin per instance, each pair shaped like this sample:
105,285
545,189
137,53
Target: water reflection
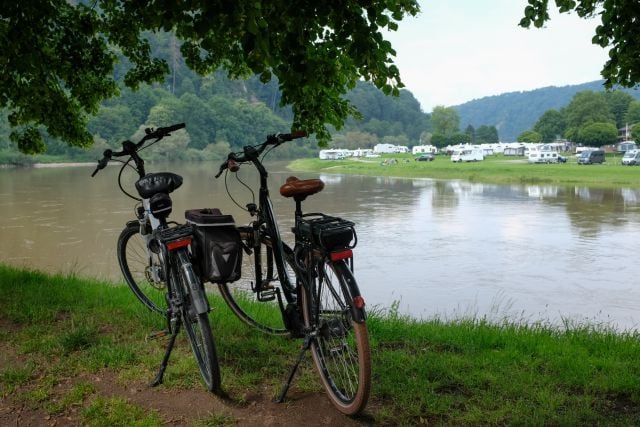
439,247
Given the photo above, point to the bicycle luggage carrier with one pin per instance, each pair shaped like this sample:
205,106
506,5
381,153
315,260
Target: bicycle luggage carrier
328,232
175,233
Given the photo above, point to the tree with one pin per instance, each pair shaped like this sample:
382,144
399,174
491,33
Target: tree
617,30
471,131
439,140
635,133
425,138
530,136
487,135
354,140
586,107
459,138
445,120
550,125
597,134
618,102
633,113
316,50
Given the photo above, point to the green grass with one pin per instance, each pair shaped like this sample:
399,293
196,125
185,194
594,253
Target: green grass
494,169
460,372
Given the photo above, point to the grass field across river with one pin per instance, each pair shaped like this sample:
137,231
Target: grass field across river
496,169
62,338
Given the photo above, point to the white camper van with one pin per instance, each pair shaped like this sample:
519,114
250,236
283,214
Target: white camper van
467,155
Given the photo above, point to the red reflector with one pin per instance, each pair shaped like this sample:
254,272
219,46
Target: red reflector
338,256
358,302
178,244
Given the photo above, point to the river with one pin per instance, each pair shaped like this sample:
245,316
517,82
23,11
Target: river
426,248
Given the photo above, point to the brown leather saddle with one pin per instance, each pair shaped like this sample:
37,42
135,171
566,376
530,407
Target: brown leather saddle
299,189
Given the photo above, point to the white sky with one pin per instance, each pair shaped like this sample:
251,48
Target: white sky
459,50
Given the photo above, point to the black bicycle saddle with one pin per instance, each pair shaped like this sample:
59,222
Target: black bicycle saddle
161,182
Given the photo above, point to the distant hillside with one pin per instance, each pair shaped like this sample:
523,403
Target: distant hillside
514,112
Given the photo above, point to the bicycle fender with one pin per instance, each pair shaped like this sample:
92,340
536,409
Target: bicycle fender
351,290
196,290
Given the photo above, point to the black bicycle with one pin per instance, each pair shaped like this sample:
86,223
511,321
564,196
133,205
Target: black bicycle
308,291
156,260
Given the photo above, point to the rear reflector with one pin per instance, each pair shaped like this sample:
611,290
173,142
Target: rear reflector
358,302
178,244
338,256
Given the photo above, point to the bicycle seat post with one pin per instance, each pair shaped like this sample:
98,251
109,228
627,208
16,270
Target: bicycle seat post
298,214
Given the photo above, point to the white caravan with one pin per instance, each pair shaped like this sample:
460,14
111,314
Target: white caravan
467,155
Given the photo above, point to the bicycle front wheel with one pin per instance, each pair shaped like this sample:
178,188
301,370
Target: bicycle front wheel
340,349
198,328
242,298
141,269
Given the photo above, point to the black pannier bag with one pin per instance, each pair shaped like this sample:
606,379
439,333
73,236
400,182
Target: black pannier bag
216,245
328,232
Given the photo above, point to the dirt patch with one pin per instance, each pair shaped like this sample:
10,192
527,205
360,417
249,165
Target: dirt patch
185,407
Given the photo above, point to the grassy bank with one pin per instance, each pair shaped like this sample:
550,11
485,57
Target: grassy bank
54,328
494,169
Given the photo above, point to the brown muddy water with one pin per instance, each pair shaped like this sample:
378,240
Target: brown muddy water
430,248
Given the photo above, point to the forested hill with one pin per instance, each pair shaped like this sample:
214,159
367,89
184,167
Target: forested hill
222,114
514,112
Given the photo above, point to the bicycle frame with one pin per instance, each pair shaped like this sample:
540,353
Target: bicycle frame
266,217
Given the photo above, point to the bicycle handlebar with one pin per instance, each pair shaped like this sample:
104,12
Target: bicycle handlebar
130,149
252,153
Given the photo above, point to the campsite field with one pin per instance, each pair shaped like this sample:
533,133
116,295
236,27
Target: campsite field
497,169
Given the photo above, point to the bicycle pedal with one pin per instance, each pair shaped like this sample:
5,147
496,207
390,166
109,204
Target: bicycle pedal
267,295
157,335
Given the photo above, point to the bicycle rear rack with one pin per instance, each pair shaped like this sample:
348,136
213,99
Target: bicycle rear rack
172,234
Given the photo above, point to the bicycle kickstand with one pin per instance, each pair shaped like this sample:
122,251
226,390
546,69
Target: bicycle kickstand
165,360
305,346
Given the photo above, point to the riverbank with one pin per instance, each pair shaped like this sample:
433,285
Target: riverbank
494,169
73,351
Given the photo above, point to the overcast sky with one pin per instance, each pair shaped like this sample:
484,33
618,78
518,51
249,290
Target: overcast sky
459,50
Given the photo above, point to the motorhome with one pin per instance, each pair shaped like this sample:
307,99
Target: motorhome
543,155
626,146
333,154
467,155
420,149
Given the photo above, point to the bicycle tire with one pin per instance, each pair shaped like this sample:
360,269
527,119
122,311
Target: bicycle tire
138,269
243,302
199,331
340,350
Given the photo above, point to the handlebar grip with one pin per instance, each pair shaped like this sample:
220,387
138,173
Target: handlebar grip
279,138
102,163
298,134
172,128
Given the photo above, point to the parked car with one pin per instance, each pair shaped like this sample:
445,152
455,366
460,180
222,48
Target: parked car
631,157
425,158
591,157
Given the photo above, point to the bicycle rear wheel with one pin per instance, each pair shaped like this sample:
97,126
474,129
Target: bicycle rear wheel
340,349
198,328
242,299
141,269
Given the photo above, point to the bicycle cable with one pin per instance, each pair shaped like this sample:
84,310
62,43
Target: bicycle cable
267,152
149,145
226,187
125,164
